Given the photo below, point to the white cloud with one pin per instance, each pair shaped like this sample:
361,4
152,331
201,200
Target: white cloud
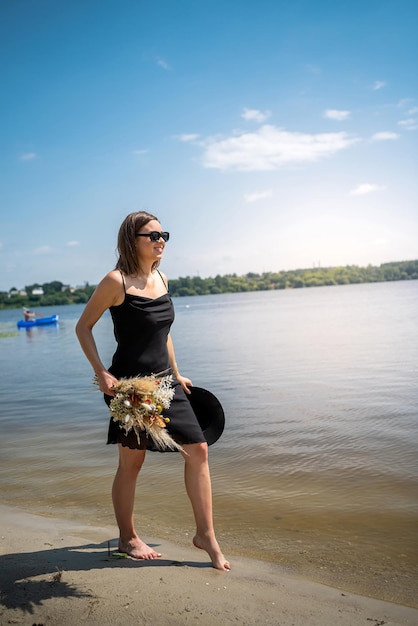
187,137
163,63
28,156
384,135
258,195
410,124
364,189
44,250
405,102
270,148
140,152
255,115
336,114
413,111
378,84
73,244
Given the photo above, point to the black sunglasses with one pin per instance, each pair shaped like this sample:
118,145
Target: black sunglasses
154,235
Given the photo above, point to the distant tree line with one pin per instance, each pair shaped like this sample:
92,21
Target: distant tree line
56,293
294,279
47,294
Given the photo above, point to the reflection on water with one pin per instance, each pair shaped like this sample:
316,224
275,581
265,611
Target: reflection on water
35,332
317,467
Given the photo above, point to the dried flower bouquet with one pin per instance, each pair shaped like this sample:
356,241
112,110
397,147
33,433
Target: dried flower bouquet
138,404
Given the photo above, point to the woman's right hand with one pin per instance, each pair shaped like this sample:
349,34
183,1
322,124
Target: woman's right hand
106,382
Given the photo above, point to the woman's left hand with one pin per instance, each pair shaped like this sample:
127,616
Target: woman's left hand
185,383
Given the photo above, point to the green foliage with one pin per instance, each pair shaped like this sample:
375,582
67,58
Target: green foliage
56,294
295,279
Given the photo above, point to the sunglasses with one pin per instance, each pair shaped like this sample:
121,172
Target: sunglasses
154,235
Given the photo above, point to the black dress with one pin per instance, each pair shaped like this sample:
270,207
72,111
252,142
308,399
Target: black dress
141,327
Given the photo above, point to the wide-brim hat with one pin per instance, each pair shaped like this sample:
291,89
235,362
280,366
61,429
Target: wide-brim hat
209,413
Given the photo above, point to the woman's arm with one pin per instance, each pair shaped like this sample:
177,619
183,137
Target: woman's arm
107,294
184,382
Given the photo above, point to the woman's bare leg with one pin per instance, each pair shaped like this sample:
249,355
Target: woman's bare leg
199,490
123,494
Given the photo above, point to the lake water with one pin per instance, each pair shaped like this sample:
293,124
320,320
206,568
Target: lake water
317,469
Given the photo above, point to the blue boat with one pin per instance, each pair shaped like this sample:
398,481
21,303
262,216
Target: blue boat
38,321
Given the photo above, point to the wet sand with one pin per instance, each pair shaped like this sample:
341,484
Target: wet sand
55,571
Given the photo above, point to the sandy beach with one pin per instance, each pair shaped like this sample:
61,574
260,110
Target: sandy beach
55,571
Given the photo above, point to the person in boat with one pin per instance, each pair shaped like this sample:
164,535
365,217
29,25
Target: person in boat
136,293
28,315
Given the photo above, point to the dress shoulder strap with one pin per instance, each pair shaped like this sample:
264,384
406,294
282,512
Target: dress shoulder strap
165,285
123,282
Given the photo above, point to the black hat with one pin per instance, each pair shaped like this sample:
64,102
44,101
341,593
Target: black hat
209,413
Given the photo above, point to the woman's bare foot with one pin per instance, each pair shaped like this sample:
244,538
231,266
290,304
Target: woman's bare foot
212,548
137,549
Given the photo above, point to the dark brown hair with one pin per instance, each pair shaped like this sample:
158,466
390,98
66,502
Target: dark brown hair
128,257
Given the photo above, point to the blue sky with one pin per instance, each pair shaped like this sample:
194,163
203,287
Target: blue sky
265,135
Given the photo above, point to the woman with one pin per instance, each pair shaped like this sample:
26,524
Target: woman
142,311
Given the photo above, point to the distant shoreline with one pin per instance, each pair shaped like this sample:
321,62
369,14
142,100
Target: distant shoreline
56,293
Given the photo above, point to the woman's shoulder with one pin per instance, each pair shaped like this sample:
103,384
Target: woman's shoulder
112,287
163,277
115,276
109,292
112,279
112,282
162,274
